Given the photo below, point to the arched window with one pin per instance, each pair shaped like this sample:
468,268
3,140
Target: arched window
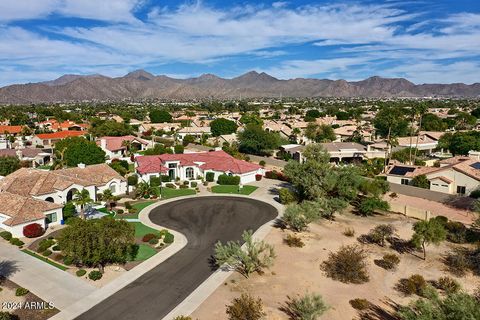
189,173
113,187
49,199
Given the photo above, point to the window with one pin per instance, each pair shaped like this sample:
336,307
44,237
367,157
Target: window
113,187
172,165
405,181
461,189
52,217
189,173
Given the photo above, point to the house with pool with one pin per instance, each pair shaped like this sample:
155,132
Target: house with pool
31,195
195,166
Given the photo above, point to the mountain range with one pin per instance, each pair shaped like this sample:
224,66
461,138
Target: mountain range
141,85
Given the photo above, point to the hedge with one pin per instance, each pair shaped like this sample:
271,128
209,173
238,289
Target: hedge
210,176
168,238
95,275
81,272
6,235
224,179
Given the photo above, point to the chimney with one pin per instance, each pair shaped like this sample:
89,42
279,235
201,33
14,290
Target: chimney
19,154
81,165
103,144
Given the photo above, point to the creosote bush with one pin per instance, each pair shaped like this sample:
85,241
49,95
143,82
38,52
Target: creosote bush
347,265
182,318
21,292
294,241
447,284
245,307
308,307
360,304
389,261
349,232
381,233
415,284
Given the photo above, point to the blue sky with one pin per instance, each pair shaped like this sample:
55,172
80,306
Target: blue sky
425,41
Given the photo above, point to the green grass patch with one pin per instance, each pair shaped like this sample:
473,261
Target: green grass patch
168,193
139,207
50,262
144,252
246,190
141,229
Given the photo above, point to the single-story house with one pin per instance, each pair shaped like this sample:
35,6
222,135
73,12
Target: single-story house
458,175
197,132
114,147
167,127
67,125
49,139
10,130
18,211
190,166
34,156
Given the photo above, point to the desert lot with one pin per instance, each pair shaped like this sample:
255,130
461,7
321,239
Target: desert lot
297,271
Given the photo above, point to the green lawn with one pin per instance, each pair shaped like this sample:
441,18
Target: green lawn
168,193
139,207
44,259
144,252
141,229
246,190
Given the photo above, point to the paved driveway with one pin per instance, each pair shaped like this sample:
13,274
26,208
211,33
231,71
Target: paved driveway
204,221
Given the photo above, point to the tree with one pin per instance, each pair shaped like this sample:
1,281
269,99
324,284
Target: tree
8,165
109,198
460,143
251,118
245,307
369,205
320,133
159,116
421,181
432,122
98,242
428,232
82,198
110,128
222,126
298,216
68,211
75,150
308,307
254,140
257,255
382,232
144,189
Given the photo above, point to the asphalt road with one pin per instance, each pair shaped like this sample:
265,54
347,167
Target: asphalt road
204,221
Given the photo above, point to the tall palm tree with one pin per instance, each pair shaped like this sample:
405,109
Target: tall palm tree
128,145
422,109
109,198
82,198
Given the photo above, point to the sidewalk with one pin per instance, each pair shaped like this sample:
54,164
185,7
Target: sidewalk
46,281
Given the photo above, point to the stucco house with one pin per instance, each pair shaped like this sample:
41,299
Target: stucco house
40,195
114,147
458,175
197,132
190,166
49,139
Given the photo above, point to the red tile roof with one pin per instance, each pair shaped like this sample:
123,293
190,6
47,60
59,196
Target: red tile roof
116,143
10,129
60,135
214,160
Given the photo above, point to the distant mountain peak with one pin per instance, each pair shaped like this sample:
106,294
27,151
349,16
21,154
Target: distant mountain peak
140,74
255,76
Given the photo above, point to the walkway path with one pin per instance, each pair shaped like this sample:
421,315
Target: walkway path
46,281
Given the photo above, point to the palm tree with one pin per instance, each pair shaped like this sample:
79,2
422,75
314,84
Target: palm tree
82,198
128,145
109,198
144,188
421,109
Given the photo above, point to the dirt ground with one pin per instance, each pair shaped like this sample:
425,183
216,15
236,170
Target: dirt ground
297,271
22,306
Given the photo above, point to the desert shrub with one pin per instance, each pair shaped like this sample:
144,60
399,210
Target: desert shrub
56,248
33,230
182,318
170,185
448,285
95,275
183,186
21,292
168,238
308,307
128,205
286,196
193,184
6,235
67,261
457,262
347,265
4,315
475,193
149,236
388,261
456,232
293,241
298,216
349,232
381,233
262,163
133,210
369,205
58,257
46,253
360,304
225,179
415,284
153,241
245,307
120,211
81,272
45,244
210,176
16,242
442,219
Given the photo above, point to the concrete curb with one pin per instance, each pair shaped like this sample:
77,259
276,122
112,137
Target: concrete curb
117,284
203,291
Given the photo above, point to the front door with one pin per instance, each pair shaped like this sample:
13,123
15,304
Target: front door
171,174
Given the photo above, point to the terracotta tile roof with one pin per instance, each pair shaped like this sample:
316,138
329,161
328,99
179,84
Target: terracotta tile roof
195,130
116,143
26,152
60,135
22,209
422,139
214,160
33,182
469,167
10,129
